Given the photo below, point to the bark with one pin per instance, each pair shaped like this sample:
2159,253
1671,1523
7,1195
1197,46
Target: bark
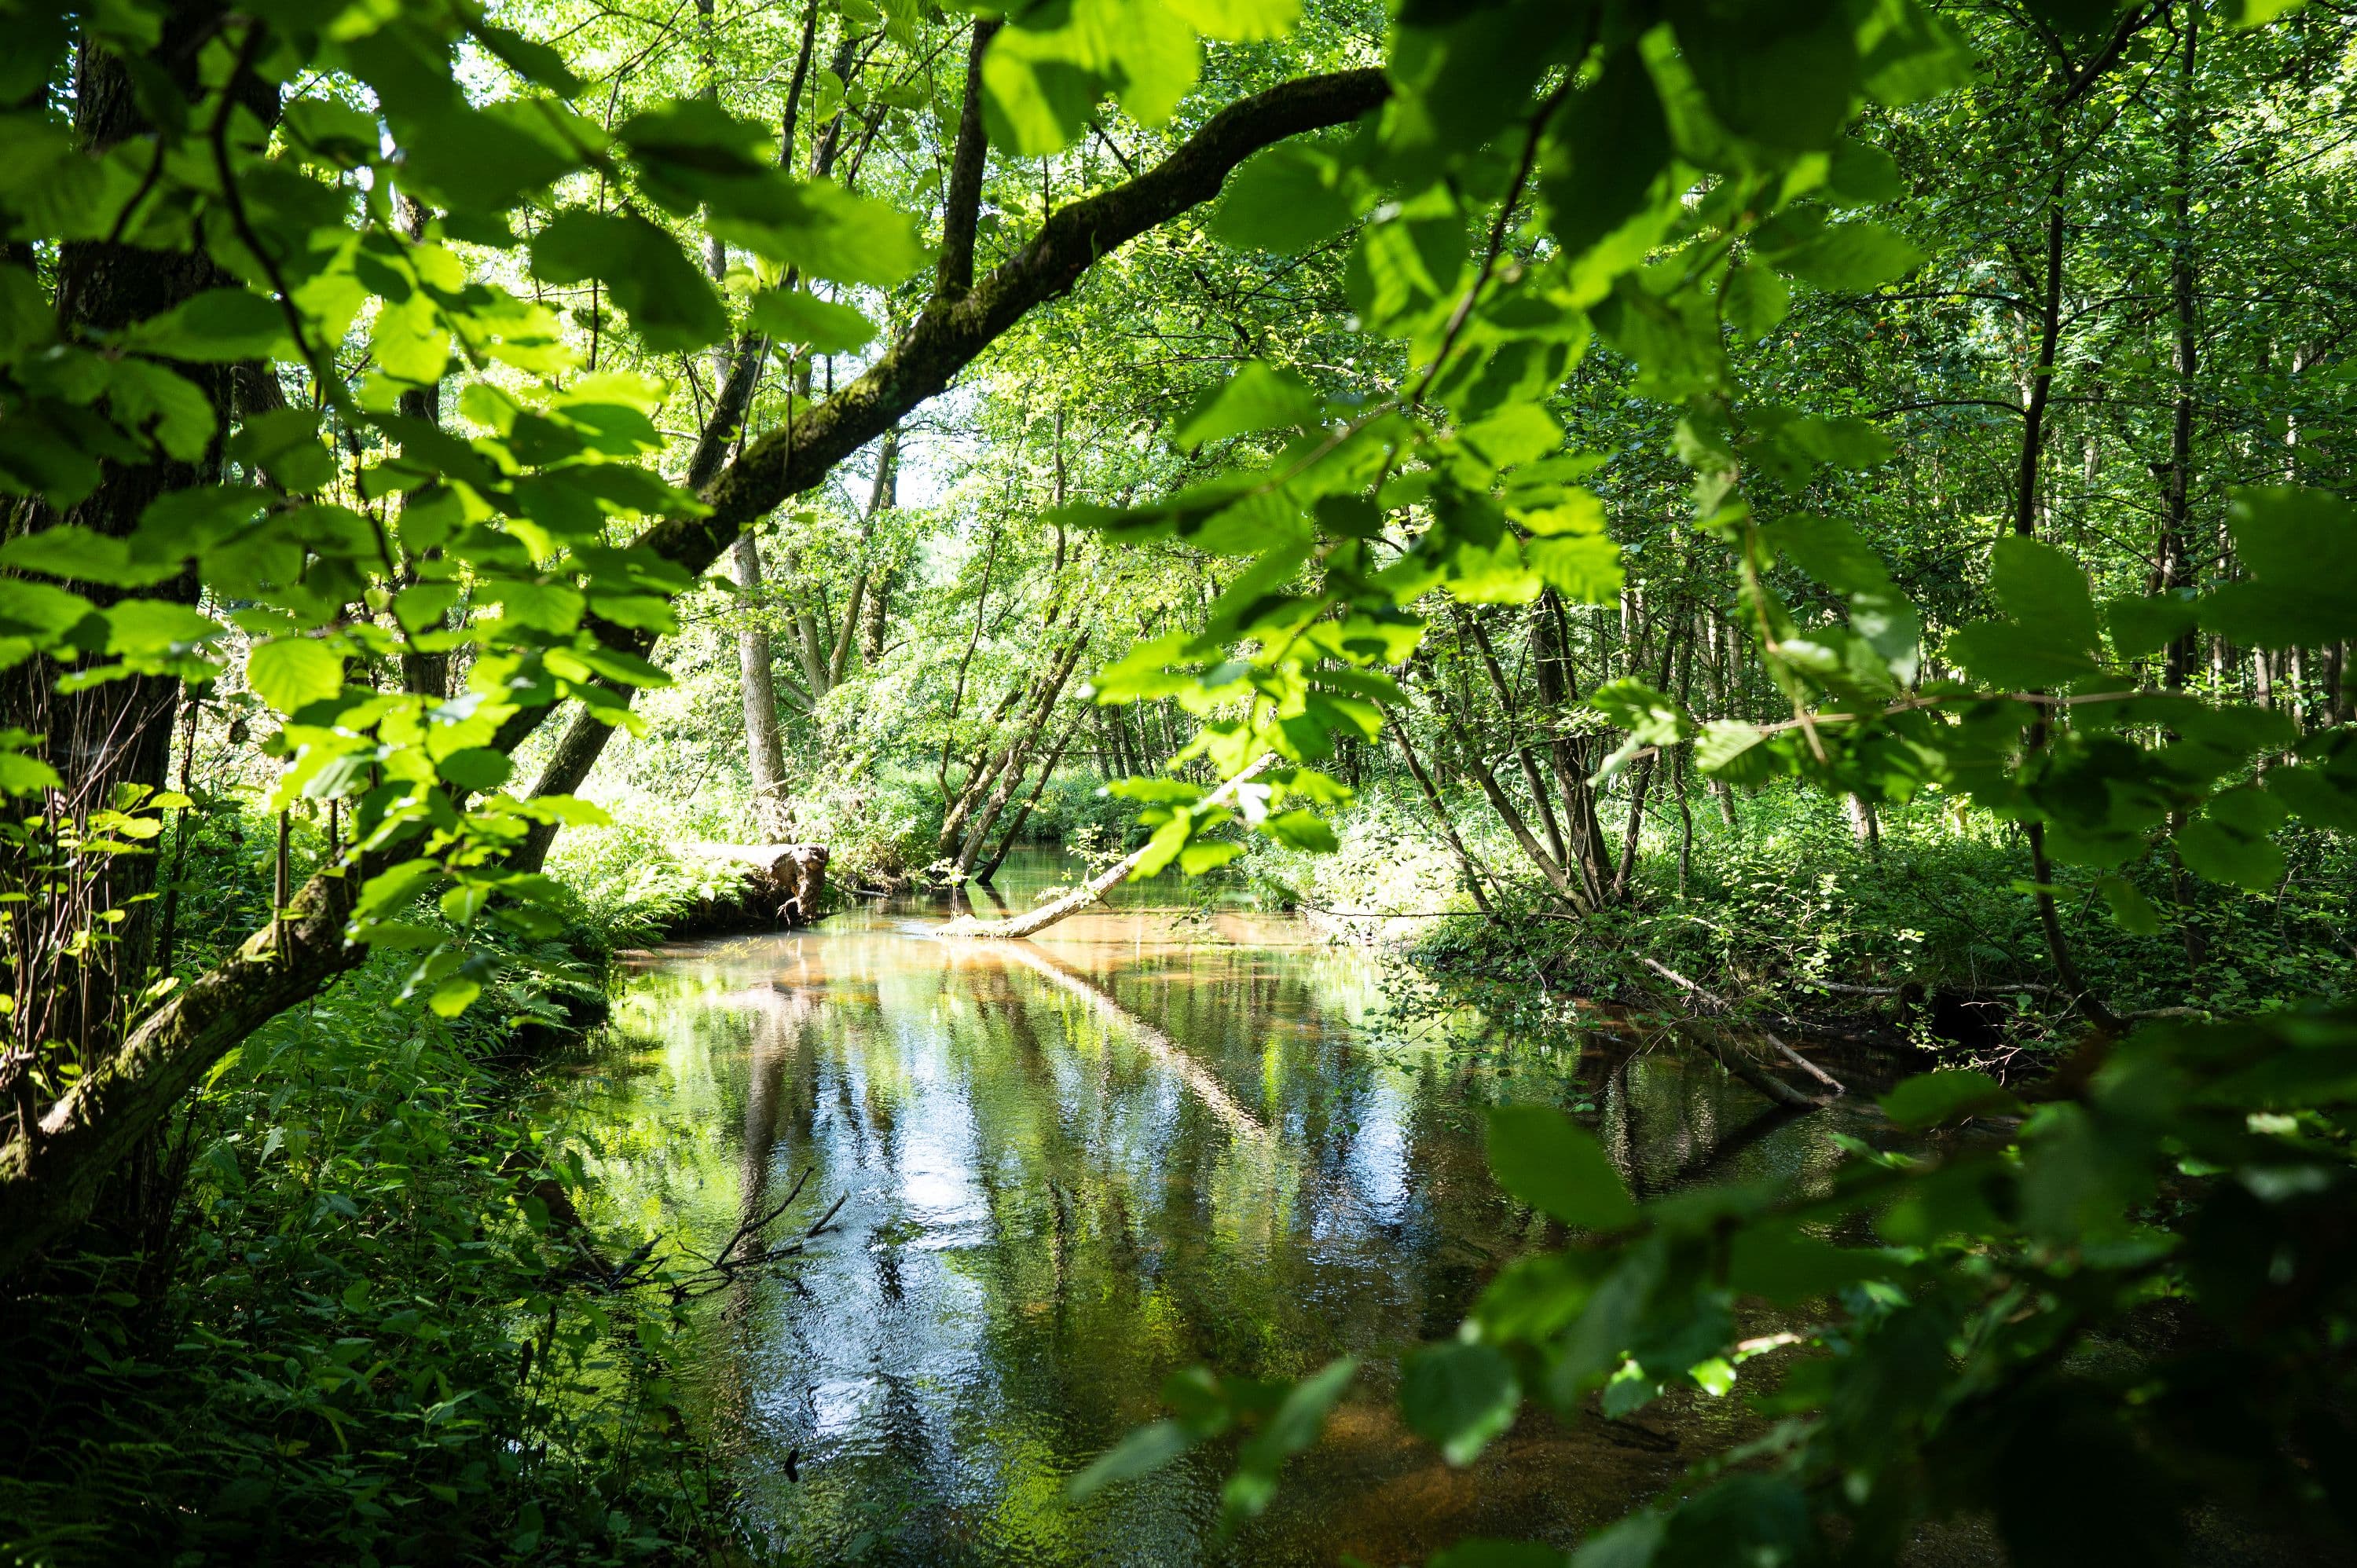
48,1181
1503,804
1640,785
882,494
1522,753
1568,754
961,201
108,1112
1865,825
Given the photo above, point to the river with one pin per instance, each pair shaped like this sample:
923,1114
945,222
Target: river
1148,1139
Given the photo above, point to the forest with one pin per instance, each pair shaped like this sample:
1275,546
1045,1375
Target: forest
1494,783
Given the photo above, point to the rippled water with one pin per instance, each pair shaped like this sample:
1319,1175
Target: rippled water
1146,1141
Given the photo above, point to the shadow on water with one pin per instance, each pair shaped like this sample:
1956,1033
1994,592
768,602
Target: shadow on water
1069,1167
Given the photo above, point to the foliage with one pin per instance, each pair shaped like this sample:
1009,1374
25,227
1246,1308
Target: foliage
366,1341
337,346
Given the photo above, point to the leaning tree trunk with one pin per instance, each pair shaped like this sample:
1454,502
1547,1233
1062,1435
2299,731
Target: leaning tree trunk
1023,815
1017,760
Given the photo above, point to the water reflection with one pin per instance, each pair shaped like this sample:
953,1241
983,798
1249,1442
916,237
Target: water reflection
1069,1167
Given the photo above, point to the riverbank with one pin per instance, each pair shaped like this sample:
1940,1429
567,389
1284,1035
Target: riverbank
1924,941
342,1309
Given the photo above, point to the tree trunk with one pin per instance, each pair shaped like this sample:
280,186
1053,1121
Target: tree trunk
1023,814
765,754
117,735
2175,548
1008,774
1504,805
881,494
1465,862
2042,373
1568,754
1522,753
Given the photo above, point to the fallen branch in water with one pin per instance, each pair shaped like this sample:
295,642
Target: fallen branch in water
1723,1005
1018,926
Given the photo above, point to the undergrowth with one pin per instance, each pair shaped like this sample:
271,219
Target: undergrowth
1932,928
330,1317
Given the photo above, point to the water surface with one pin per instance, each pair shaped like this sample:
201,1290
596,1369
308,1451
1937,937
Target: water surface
1150,1139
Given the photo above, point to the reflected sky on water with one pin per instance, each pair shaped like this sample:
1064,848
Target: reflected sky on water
1147,1140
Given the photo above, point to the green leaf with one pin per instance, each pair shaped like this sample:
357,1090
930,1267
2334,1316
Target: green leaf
1486,1554
1731,750
670,302
1603,153
1293,1426
1460,1397
2326,797
2049,638
1239,21
79,554
1951,1094
148,399
1559,1169
1285,199
2230,843
24,775
2129,906
146,630
1584,570
394,889
28,320
1850,257
2300,548
218,326
292,672
481,161
798,315
1752,300
476,768
1785,1265
1207,854
1631,1544
1781,75
454,996
285,443
1050,65
2141,626
1302,830
1259,397
1141,1453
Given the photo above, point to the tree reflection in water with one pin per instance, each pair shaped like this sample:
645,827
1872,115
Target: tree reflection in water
1071,1167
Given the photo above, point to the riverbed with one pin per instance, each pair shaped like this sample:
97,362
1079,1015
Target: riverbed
1157,1136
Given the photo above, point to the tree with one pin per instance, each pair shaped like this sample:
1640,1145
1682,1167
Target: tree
349,567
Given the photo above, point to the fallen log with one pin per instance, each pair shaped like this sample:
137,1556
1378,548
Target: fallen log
781,887
1097,886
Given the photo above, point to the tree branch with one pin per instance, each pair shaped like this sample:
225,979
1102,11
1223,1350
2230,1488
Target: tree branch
962,202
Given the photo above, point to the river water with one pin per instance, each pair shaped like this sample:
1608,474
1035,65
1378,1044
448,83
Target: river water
1150,1139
